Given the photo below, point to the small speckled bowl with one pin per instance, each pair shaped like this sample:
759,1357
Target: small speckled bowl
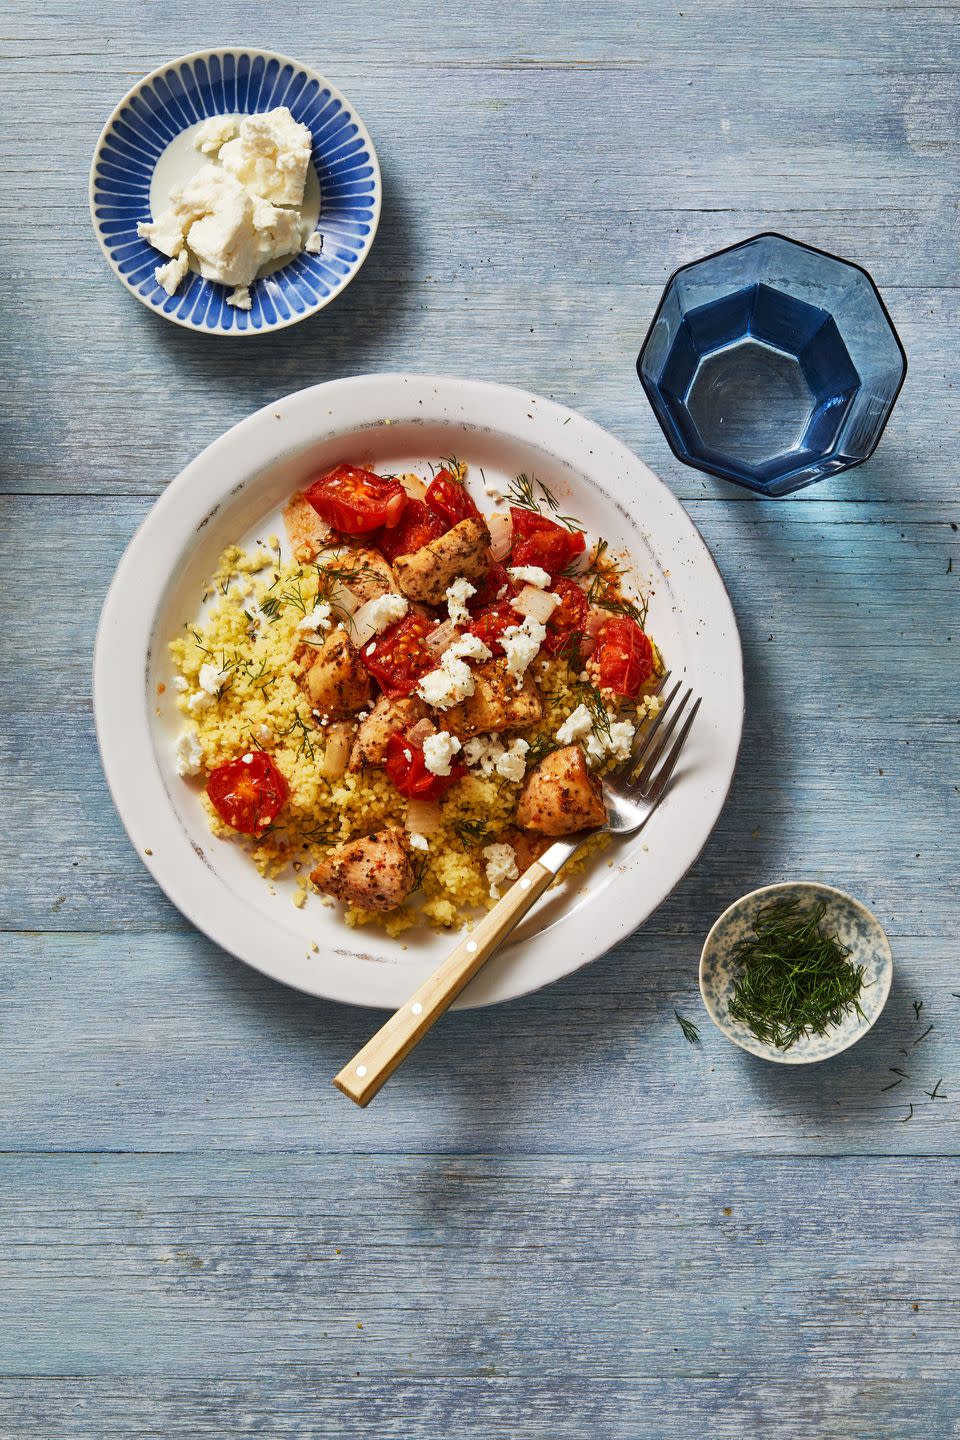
854,926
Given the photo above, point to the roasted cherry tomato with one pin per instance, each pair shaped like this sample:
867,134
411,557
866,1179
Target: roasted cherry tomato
489,588
568,618
417,527
248,793
398,658
408,770
450,500
490,624
539,541
623,657
356,501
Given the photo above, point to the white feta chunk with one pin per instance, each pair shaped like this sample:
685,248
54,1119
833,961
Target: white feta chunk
418,841
318,619
270,156
213,133
457,596
501,865
521,645
438,751
168,276
530,575
189,754
209,678
578,724
240,298
512,764
314,243
164,234
181,683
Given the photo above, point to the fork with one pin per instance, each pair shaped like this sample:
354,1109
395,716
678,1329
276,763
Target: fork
632,792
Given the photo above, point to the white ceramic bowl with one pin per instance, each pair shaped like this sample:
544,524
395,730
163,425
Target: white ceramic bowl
147,146
853,924
233,493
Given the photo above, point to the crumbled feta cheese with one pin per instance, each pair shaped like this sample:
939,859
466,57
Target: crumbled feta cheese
180,683
418,841
168,276
209,678
438,750
314,244
213,133
199,701
501,865
189,753
453,681
270,156
457,596
247,759
482,753
613,745
521,645
164,234
512,764
530,575
318,619
240,298
577,725
385,611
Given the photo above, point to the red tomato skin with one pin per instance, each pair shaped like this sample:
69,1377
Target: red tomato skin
407,770
417,528
356,501
450,500
249,793
568,618
490,624
397,658
623,658
539,541
489,588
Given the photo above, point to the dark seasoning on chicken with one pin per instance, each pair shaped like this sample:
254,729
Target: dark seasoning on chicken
414,701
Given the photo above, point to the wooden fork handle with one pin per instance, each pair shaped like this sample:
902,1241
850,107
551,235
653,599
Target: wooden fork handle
376,1062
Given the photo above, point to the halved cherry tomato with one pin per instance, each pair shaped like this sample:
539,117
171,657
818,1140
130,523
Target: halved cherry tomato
568,618
539,541
450,500
490,624
418,526
489,588
623,657
398,658
248,793
408,770
356,501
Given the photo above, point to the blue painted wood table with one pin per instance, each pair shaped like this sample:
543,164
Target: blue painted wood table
560,1219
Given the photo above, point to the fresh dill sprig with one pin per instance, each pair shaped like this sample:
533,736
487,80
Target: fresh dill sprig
589,695
605,587
539,748
521,492
690,1031
306,737
471,833
792,979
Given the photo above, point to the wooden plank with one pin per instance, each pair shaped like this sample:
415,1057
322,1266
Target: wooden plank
201,1267
147,1042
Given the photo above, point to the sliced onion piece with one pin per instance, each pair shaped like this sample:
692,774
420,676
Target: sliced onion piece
441,638
339,738
423,816
419,732
414,486
342,600
537,604
501,535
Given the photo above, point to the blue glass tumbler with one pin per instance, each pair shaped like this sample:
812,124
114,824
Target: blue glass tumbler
772,364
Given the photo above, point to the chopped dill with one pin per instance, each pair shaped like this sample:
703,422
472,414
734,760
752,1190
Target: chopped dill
604,590
690,1031
471,833
521,492
793,979
540,747
306,738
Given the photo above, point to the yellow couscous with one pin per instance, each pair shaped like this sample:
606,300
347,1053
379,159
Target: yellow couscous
241,692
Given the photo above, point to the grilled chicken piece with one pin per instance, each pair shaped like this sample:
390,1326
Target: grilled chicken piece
307,532
495,705
333,678
366,573
560,796
373,872
386,717
462,551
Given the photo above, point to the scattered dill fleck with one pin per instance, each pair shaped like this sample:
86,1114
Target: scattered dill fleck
521,492
917,1007
908,1116
935,1093
604,588
306,739
540,747
471,832
200,645
420,871
590,696
570,651
924,1035
690,1031
892,1086
793,979
894,1071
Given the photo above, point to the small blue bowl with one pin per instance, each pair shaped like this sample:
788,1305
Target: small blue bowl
853,924
145,144
772,364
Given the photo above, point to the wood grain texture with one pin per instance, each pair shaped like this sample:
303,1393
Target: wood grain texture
193,1225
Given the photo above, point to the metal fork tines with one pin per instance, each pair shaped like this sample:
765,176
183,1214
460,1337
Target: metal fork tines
642,776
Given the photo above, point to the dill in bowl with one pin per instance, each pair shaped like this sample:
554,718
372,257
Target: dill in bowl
793,979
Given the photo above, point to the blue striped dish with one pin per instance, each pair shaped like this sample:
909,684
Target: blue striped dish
233,82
